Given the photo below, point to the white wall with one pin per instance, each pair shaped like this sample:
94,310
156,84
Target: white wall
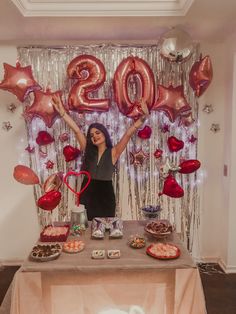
18,219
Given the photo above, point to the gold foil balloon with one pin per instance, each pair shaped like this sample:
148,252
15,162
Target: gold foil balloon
176,45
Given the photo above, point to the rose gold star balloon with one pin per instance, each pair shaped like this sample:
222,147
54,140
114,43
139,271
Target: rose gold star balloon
172,101
19,80
42,107
138,157
200,75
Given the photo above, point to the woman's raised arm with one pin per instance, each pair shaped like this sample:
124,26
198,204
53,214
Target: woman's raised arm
57,104
121,145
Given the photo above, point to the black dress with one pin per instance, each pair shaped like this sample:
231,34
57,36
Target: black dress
99,197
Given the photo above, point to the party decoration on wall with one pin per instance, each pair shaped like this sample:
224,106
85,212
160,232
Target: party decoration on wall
158,153
200,75
42,107
186,120
189,166
208,109
77,174
64,137
49,164
215,127
30,149
174,144
145,133
167,167
165,128
172,188
91,76
25,175
125,70
44,138
192,139
176,45
6,126
171,101
52,183
70,153
49,200
11,108
18,80
137,158
42,153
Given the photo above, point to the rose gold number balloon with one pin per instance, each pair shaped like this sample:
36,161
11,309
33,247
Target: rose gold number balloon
91,75
128,67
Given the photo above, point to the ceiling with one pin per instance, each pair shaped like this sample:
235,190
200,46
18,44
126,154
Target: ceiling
209,20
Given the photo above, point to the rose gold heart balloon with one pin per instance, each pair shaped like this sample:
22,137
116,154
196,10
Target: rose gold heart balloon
53,182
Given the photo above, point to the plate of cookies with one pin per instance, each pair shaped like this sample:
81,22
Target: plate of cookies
45,252
73,246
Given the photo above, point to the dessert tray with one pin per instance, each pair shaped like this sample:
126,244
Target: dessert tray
159,228
163,251
73,246
45,252
55,233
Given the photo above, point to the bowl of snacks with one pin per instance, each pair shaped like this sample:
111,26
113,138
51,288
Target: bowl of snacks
137,241
159,228
151,211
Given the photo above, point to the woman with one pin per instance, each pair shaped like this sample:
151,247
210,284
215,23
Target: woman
99,160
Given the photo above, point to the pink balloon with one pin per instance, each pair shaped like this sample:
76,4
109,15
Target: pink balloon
91,75
200,75
42,108
139,68
172,101
19,80
25,175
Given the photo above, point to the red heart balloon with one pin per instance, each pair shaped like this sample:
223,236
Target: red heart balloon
44,138
158,153
174,144
189,166
145,133
70,153
50,200
172,188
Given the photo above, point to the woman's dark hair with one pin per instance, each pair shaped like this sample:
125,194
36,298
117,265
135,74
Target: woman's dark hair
91,149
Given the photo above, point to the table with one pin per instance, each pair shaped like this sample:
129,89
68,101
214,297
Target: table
135,283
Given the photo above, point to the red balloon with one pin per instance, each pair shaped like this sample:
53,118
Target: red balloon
200,75
138,68
25,175
158,153
70,153
49,200
174,144
53,182
172,188
44,138
91,75
19,80
189,166
42,107
145,133
172,101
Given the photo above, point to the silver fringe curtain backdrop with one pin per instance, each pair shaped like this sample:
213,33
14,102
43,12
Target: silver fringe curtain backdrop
135,185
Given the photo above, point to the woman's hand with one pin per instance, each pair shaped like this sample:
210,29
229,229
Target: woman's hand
145,115
57,104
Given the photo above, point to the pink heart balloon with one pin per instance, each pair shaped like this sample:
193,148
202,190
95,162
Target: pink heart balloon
49,200
174,144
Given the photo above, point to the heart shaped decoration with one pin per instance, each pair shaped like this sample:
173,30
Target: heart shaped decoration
44,138
158,153
49,200
145,133
174,144
70,153
189,166
53,182
172,188
77,174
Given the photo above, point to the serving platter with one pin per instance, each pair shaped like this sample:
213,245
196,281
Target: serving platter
163,251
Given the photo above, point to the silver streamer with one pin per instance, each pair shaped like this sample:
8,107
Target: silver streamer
135,185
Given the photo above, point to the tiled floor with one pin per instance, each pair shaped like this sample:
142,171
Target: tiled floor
219,288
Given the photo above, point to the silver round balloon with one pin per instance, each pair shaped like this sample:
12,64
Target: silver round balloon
176,45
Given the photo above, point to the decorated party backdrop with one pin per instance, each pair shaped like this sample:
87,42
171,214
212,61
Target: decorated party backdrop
105,83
